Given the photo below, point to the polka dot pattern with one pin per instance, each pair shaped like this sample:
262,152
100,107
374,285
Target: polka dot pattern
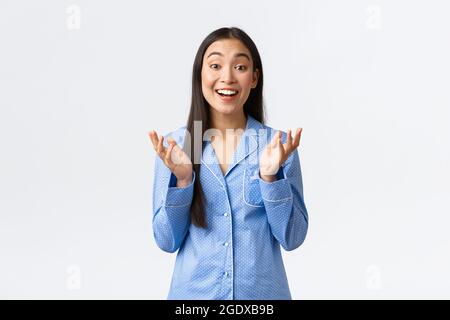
238,256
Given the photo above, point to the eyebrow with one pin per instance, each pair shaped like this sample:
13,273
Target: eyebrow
237,55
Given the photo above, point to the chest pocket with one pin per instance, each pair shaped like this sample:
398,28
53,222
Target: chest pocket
250,187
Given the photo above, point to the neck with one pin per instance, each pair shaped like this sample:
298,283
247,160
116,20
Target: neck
223,122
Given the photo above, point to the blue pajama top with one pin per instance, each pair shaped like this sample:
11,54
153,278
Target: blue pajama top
238,255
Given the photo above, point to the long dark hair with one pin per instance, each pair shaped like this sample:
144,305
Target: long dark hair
200,109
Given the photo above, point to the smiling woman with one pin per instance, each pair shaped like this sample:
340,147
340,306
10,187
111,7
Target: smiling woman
228,203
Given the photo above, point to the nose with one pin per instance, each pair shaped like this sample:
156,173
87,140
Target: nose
227,75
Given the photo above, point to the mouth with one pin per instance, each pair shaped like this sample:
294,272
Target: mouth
227,94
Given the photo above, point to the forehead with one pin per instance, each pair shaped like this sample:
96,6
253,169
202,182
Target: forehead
227,47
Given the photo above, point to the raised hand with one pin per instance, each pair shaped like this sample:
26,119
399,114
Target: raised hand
276,153
174,158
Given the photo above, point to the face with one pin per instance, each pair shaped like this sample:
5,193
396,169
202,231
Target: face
228,76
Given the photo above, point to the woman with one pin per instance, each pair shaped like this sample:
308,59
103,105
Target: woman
233,193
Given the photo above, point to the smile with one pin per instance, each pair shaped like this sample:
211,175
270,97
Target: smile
227,93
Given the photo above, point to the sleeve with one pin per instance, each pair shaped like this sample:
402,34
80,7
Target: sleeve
171,208
284,204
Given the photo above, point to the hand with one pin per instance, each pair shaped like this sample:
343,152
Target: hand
174,158
276,153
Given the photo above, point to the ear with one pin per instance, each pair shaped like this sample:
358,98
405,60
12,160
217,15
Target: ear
255,78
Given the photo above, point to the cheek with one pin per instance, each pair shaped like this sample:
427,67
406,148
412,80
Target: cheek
246,82
207,86
207,80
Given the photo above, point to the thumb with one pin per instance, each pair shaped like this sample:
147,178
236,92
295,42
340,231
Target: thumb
172,141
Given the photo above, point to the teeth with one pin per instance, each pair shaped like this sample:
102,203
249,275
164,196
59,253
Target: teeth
227,92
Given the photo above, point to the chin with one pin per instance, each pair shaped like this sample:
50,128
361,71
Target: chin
228,110
227,107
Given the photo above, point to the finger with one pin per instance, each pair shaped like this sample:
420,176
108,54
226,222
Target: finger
275,139
297,137
160,149
176,148
153,138
171,140
272,141
279,151
168,158
289,140
279,143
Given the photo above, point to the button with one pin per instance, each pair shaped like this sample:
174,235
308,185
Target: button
226,244
225,214
225,274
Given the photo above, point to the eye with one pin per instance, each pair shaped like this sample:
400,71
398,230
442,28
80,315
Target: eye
214,66
241,67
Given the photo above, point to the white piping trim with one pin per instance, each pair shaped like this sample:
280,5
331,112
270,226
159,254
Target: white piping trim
213,174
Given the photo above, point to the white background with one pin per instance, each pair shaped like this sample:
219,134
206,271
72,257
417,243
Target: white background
82,82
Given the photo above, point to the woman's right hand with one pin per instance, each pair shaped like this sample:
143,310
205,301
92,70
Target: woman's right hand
174,158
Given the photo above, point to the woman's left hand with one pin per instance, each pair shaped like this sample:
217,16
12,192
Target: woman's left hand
276,153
